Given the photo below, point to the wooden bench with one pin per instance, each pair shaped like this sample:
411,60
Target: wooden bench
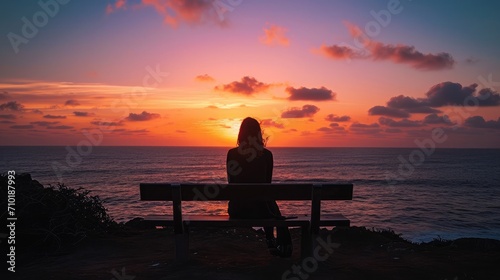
310,224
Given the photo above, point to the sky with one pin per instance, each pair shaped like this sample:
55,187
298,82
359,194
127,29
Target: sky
361,73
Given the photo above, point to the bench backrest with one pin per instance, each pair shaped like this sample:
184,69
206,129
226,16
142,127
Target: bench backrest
220,192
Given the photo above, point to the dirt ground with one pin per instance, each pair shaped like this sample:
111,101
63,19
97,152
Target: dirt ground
241,253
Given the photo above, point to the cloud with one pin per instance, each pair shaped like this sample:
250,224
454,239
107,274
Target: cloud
8,117
49,93
365,128
310,94
60,127
305,112
400,53
471,60
435,119
11,106
83,114
119,4
204,78
408,55
332,129
138,131
400,123
106,123
176,11
393,130
271,123
439,95
7,122
71,102
389,112
4,95
362,125
124,131
411,105
36,111
340,52
479,122
247,86
54,117
181,131
454,94
23,126
275,35
144,116
335,118
43,123
449,93
488,97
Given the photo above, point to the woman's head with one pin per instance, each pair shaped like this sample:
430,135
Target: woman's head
250,133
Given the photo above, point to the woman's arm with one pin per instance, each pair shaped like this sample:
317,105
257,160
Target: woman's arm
233,168
228,171
269,171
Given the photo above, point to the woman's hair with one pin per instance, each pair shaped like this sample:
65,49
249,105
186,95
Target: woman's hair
250,128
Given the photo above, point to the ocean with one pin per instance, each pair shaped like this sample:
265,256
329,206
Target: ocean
442,193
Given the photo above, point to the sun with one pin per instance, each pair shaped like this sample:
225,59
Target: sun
230,128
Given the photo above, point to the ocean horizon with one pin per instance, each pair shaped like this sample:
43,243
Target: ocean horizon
422,194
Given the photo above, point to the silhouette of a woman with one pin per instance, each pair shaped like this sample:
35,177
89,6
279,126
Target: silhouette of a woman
250,162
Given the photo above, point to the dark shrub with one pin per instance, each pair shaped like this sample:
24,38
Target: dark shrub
53,216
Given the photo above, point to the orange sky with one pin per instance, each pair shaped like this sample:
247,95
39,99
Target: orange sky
166,73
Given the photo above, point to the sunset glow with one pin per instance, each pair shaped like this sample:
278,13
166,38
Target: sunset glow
315,73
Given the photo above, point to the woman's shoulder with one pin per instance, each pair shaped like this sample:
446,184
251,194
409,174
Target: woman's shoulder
267,153
233,152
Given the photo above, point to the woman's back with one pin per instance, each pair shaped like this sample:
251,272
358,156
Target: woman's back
249,166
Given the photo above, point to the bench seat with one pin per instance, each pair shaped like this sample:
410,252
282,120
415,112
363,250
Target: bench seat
224,220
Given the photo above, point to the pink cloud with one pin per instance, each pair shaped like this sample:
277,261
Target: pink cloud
362,128
335,118
305,112
144,116
339,52
177,11
275,35
271,123
399,53
71,102
247,86
204,78
12,106
312,94
409,55
119,4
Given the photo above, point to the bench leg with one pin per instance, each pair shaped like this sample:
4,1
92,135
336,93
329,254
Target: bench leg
305,242
182,246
